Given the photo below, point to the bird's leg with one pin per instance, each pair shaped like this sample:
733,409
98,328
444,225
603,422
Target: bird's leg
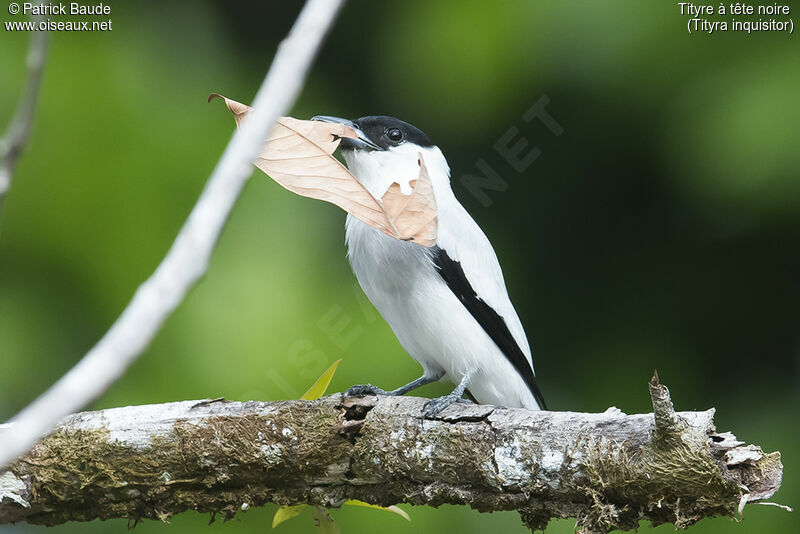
424,380
434,406
369,389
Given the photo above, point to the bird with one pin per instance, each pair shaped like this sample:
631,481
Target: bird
447,304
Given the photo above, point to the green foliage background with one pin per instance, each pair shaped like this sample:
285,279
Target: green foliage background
660,230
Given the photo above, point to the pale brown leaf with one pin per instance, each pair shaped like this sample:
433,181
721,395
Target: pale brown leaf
299,156
414,214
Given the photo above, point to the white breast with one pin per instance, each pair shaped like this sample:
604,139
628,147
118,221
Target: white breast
429,321
400,279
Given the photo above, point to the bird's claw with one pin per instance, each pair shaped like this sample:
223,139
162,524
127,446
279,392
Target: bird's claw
365,389
434,406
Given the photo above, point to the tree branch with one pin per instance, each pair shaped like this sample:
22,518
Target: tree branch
187,259
13,142
608,470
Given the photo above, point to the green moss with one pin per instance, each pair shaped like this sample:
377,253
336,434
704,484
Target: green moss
213,466
681,471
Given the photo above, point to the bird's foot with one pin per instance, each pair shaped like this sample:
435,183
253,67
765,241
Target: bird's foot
366,389
434,406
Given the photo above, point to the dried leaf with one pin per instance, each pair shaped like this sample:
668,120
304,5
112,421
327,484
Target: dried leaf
414,214
394,509
285,513
299,156
319,387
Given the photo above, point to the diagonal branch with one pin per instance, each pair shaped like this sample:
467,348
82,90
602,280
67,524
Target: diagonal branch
188,257
19,130
607,470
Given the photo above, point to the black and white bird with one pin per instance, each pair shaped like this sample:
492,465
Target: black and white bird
447,304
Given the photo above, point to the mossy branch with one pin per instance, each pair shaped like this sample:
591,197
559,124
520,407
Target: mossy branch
607,470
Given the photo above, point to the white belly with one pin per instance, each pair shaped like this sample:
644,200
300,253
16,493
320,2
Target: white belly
428,319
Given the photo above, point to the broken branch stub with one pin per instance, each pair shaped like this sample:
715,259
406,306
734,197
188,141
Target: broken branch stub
666,422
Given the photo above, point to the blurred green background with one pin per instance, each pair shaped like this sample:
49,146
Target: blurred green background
660,229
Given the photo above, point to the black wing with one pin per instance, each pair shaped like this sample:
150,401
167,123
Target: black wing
490,320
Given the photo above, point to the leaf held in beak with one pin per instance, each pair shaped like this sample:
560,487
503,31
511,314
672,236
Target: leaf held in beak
299,156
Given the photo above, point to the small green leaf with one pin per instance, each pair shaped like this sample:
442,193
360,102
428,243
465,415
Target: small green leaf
393,509
287,512
321,385
323,520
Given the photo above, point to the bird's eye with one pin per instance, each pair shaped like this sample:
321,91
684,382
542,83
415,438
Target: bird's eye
394,134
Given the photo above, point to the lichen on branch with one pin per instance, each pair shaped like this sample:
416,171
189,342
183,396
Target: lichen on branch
607,470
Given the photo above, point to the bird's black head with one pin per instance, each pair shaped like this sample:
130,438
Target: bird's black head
379,132
388,132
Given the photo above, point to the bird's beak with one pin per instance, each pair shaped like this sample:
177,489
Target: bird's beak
361,143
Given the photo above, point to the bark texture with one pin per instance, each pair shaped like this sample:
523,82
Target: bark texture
607,470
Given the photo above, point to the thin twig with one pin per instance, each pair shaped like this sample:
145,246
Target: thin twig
187,260
19,130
